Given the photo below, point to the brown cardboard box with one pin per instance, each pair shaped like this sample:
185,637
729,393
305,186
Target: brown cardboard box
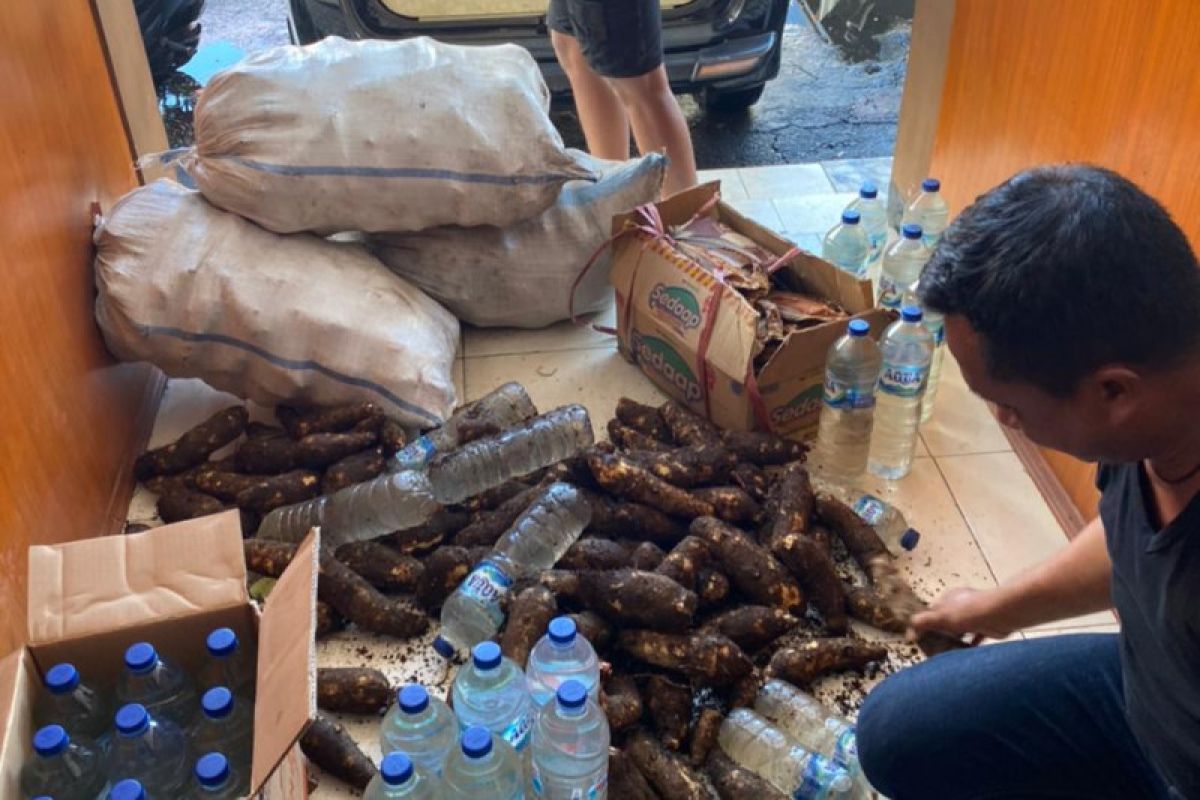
664,301
91,599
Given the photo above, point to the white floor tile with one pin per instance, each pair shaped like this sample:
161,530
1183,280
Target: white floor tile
761,211
731,183
813,213
961,423
786,180
561,336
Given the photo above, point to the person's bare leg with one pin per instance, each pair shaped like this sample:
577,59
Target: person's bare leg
601,113
658,124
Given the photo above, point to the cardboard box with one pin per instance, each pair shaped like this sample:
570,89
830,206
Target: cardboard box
89,600
665,302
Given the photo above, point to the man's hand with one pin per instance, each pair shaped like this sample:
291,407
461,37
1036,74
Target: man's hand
962,611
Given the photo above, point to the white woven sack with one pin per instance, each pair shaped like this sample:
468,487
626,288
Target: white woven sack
292,319
379,136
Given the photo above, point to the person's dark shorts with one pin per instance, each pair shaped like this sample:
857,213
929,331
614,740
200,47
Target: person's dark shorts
619,38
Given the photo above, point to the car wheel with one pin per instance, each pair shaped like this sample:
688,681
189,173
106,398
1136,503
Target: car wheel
170,32
732,102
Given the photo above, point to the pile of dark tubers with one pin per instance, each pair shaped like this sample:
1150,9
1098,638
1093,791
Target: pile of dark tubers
710,566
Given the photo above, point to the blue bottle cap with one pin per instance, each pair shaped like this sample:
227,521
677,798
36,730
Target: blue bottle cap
858,327
931,185
443,648
62,678
217,703
413,698
572,695
486,655
911,313
46,797
851,216
222,642
50,740
141,657
868,191
911,230
396,769
476,741
128,789
212,769
909,539
562,630
132,719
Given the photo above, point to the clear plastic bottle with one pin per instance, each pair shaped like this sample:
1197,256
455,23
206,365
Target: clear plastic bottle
405,499
902,264
128,789
162,687
399,777
887,520
907,349
491,691
848,411
929,210
846,245
85,712
562,655
802,717
229,663
214,778
538,539
483,767
226,725
755,744
570,747
151,750
62,769
421,726
505,406
935,321
873,218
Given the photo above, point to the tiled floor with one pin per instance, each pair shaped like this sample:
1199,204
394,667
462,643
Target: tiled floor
981,517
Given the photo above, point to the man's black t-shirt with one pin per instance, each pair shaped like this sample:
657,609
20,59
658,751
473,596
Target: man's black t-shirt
1156,591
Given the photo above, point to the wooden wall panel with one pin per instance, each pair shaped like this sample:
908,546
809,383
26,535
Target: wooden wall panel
1111,82
70,419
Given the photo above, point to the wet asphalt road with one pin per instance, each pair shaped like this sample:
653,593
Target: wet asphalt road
829,101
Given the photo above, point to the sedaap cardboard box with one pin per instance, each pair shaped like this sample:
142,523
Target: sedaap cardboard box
91,599
695,337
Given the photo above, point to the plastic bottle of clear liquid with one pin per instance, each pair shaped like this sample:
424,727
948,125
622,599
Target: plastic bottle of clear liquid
226,725
81,709
848,409
62,769
902,264
570,747
151,750
537,540
907,349
483,767
873,218
399,777
887,520
422,727
929,210
405,499
230,663
802,717
491,691
128,789
754,743
936,323
505,406
846,245
562,655
216,779
162,687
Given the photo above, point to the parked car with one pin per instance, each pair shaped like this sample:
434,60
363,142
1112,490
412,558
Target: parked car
724,51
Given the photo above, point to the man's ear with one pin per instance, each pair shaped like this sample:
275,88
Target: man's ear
1116,389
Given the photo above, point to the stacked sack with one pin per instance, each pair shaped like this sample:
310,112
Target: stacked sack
230,284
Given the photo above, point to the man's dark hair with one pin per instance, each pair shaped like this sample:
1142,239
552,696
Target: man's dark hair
1064,269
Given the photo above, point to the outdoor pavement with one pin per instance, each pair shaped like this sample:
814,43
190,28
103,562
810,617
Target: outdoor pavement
835,98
